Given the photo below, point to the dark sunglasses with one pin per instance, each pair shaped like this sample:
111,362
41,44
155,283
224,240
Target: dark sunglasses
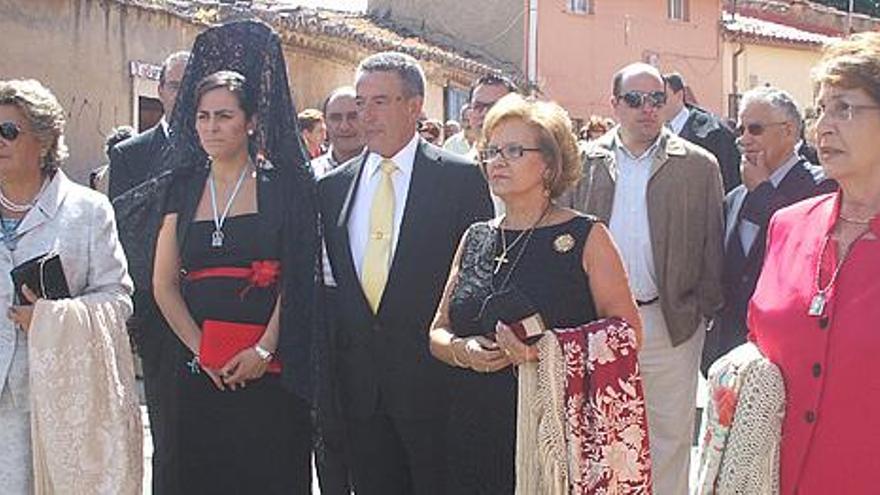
508,152
638,99
9,130
754,129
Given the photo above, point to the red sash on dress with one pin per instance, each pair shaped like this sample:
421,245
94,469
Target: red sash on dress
222,340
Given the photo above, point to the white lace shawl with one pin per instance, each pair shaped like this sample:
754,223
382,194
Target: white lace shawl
85,420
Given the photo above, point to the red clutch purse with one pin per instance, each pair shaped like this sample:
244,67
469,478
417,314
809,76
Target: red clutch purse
222,340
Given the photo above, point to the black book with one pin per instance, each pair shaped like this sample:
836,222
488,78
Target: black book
44,275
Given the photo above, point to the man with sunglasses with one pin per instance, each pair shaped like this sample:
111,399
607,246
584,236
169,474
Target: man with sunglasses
661,198
774,175
702,128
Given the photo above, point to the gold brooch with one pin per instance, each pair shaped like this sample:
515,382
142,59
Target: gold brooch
563,243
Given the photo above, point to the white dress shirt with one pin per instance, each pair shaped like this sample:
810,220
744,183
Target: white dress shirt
163,124
629,224
748,231
359,220
677,123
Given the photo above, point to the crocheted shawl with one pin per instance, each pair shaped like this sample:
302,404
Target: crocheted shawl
740,449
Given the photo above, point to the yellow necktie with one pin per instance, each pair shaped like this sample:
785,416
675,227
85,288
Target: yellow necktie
377,258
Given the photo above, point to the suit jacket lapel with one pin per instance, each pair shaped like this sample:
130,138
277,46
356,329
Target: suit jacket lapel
415,227
47,204
347,272
798,177
667,147
735,201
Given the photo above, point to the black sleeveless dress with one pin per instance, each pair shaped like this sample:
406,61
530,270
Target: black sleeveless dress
549,272
251,440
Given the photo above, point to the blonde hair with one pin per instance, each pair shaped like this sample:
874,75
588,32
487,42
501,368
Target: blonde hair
556,138
45,116
852,63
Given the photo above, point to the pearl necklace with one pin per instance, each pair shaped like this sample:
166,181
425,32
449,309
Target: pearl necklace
21,208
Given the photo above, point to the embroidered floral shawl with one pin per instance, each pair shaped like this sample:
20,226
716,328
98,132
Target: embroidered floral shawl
582,423
85,420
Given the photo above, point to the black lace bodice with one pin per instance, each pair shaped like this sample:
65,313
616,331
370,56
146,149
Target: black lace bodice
482,424
549,273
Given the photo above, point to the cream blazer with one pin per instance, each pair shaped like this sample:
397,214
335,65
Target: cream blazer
78,223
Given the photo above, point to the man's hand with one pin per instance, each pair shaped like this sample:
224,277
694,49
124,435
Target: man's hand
754,169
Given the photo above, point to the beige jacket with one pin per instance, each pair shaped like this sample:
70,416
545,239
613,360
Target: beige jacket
685,213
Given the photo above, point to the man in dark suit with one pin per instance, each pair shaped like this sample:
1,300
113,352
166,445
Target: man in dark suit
703,129
132,162
392,221
774,175
135,160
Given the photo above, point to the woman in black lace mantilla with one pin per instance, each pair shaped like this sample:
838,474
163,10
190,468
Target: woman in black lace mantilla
235,270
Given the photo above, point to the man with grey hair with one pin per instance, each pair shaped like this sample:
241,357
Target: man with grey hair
392,221
774,175
132,162
661,198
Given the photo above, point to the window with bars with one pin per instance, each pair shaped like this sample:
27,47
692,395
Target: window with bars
580,6
678,10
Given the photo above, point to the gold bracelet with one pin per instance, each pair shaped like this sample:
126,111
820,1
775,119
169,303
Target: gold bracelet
455,360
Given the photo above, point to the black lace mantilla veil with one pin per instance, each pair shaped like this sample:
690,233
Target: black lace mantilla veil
254,50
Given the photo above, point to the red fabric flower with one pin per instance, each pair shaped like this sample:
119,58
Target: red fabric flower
264,272
725,400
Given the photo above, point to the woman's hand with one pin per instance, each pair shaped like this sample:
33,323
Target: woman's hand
214,375
515,350
244,366
21,315
483,355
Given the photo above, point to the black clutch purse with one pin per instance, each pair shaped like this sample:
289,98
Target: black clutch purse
513,308
44,275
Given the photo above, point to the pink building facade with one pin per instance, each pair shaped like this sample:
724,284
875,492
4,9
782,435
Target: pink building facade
578,45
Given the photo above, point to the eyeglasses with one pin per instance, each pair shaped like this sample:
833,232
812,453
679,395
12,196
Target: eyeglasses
841,110
755,128
510,151
638,99
9,130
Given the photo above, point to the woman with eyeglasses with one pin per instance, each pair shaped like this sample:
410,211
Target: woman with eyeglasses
815,310
539,266
68,405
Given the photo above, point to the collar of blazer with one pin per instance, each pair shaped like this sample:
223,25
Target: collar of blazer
602,151
48,203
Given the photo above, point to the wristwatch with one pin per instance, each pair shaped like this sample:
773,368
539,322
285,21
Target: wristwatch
263,353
